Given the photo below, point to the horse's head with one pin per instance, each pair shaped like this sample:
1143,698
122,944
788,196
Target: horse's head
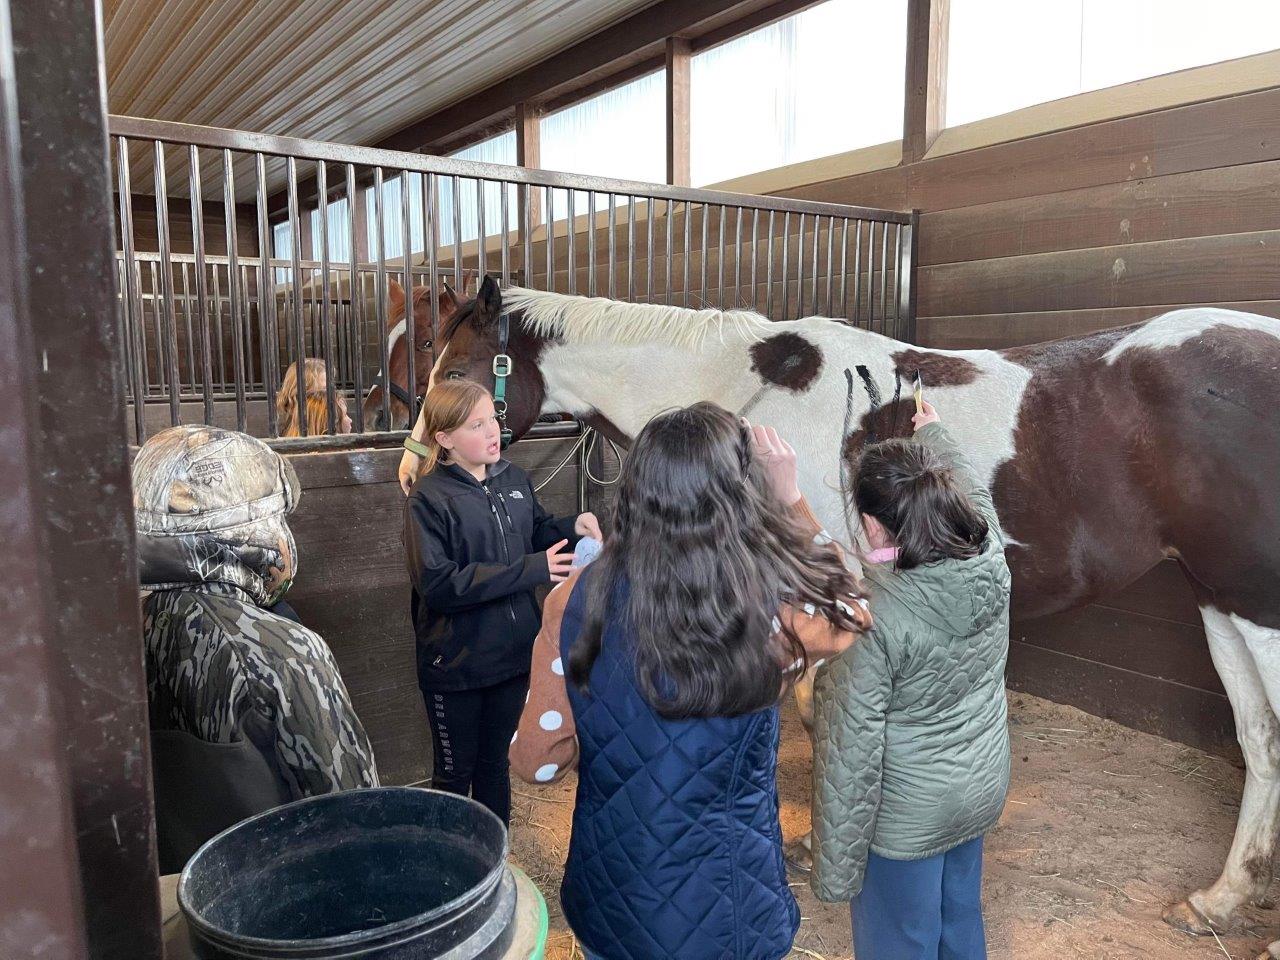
398,353
472,342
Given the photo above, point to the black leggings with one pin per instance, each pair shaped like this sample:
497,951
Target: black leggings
472,731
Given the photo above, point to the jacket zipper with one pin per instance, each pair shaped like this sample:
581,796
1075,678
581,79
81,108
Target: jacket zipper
506,553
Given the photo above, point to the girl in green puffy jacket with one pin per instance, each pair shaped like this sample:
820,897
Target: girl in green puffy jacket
911,746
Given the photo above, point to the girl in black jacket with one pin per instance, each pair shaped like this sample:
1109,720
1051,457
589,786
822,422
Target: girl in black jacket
478,544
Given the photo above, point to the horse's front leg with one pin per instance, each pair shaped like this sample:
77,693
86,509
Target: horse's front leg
799,853
1250,672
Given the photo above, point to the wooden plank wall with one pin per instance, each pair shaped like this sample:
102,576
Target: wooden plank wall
353,590
1075,231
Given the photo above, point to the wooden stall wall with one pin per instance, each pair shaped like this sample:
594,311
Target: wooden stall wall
1079,230
352,587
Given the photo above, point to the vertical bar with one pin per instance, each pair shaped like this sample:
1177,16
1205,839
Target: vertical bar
613,245
871,274
844,267
571,233
897,280
857,271
410,338
720,259
737,256
813,279
431,240
233,281
267,300
503,212
526,232
649,204
786,243
457,237
202,304
551,239
702,286
688,244
755,253
671,246
356,293
482,238
800,269
170,335
831,250
295,256
217,323
768,270
884,274
591,243
186,325
132,291
380,298
631,247
907,268
326,294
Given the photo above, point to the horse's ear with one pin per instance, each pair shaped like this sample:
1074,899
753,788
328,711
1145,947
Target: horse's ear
448,299
488,302
395,298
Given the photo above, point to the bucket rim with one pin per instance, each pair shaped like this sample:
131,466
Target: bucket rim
222,937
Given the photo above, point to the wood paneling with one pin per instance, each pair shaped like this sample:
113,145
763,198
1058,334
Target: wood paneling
1241,199
352,587
1243,266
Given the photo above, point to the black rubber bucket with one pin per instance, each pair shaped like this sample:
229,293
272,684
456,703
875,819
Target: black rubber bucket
389,873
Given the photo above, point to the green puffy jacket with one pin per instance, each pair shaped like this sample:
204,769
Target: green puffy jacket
911,741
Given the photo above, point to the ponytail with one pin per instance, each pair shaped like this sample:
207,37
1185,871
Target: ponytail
914,495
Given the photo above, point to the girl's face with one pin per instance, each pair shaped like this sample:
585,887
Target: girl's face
478,441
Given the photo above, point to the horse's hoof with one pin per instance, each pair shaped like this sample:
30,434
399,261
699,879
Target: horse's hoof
1188,919
799,859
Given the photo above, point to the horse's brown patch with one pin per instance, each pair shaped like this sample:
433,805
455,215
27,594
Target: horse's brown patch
935,369
787,360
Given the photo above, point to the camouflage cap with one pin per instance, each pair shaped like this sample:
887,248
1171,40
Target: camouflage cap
205,479
210,507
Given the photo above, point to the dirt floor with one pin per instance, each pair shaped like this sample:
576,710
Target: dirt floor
1105,827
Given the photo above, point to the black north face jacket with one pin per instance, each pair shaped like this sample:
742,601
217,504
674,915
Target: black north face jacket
476,553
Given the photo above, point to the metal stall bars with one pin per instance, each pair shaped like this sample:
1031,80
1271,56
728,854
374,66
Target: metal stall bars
242,255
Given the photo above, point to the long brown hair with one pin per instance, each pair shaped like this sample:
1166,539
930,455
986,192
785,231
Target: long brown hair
913,494
315,382
446,407
708,555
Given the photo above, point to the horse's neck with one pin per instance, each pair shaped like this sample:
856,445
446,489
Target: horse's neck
628,385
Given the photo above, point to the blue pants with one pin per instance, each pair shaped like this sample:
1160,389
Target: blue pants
921,909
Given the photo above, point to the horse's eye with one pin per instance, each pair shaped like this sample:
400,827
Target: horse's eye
453,375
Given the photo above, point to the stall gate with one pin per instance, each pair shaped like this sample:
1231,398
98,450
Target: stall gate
241,253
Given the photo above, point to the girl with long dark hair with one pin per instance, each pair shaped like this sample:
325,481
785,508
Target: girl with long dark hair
715,589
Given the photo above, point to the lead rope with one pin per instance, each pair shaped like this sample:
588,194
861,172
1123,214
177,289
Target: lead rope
588,437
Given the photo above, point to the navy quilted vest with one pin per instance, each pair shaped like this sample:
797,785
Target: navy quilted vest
676,849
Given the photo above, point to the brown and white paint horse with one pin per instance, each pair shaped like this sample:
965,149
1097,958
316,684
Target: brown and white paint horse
447,303
1105,453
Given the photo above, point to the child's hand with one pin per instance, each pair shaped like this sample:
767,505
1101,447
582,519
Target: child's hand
559,562
926,416
779,461
587,526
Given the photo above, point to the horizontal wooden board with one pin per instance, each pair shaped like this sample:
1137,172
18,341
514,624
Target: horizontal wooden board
995,331
1200,136
1226,200
1162,592
1244,266
1156,647
1194,717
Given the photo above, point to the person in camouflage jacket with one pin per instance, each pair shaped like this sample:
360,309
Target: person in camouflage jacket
215,552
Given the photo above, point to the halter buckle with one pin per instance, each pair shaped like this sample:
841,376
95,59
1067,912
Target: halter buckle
502,365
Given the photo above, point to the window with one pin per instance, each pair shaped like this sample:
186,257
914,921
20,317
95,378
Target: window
339,230
620,133
1003,55
827,80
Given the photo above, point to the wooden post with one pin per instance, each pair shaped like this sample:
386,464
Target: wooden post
678,56
71,641
924,106
529,154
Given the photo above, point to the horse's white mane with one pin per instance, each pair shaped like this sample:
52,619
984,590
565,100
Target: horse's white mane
596,319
